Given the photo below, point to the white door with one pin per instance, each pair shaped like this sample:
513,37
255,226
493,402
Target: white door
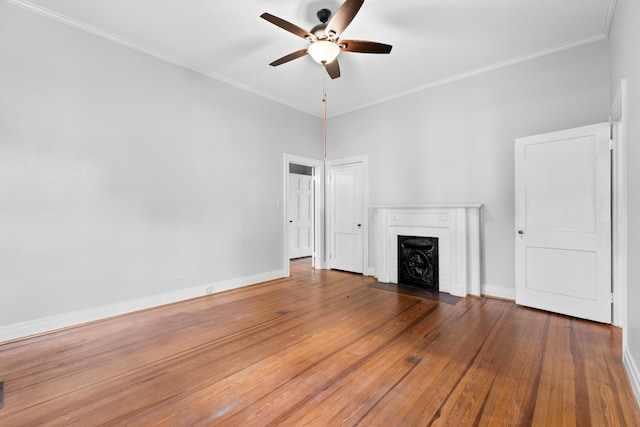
563,222
300,208
346,216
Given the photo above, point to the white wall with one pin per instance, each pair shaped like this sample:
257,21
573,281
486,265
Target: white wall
454,143
625,64
121,174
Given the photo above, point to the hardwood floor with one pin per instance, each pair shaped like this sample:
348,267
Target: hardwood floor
321,348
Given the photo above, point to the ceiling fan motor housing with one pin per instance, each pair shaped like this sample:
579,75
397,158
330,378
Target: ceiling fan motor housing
324,15
318,32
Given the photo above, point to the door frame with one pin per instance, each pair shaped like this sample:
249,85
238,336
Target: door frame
618,120
319,261
364,159
295,209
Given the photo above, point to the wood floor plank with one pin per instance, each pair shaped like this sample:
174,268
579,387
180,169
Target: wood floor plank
276,371
321,348
467,401
611,406
556,399
446,359
348,372
514,392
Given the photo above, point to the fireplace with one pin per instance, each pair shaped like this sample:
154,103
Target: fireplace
457,230
418,261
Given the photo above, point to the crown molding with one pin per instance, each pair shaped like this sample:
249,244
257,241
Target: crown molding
611,10
146,50
24,4
481,70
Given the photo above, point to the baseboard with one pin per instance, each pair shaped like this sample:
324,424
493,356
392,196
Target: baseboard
60,321
499,292
632,372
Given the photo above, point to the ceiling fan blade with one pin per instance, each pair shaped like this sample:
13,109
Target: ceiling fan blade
286,25
333,68
290,57
363,46
343,17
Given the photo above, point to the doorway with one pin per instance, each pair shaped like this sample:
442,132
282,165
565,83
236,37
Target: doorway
328,196
303,211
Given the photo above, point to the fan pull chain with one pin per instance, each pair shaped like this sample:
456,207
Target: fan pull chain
324,104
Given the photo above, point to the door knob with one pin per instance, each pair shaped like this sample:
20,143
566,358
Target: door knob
359,225
290,220
520,232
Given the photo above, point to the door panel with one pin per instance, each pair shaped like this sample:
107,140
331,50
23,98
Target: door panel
560,185
547,272
300,215
346,217
563,222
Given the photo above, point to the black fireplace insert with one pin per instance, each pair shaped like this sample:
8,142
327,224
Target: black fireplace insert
418,261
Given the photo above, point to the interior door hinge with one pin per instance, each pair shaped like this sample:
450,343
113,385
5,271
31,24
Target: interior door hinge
611,145
611,297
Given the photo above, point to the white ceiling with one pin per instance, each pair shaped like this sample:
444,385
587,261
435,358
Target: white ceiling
434,41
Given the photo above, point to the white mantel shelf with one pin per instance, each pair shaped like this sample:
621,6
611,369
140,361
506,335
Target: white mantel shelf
457,227
428,206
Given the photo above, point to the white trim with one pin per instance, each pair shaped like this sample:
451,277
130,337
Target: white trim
609,18
499,292
632,371
51,323
427,206
474,274
364,158
615,110
365,243
619,215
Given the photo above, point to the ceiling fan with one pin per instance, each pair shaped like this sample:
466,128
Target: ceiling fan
324,38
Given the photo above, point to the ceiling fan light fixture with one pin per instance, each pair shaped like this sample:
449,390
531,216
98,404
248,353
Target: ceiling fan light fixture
324,38
323,51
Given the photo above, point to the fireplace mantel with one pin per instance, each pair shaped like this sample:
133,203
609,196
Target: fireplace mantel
457,227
